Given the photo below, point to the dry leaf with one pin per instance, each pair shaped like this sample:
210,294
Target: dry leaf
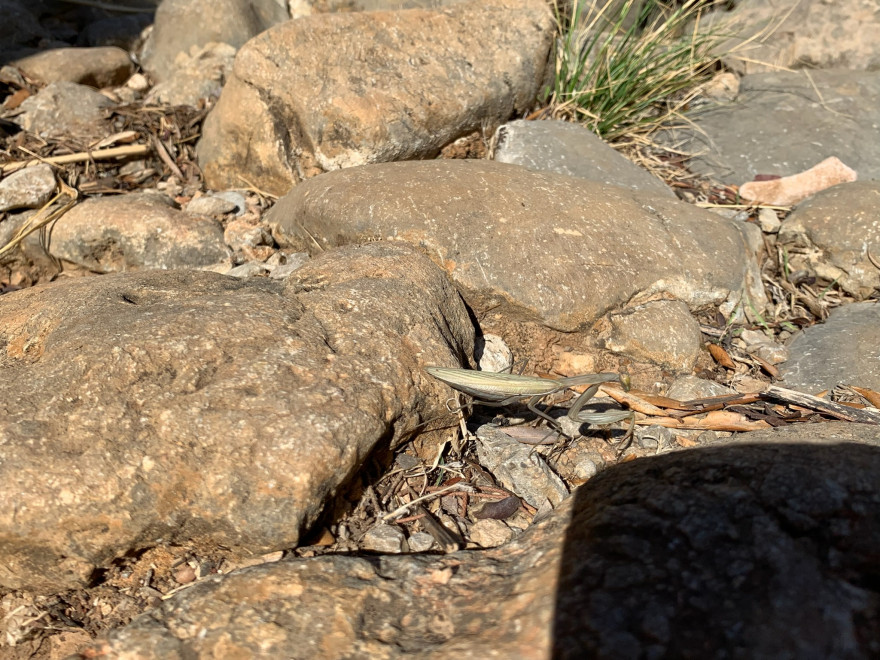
870,395
721,357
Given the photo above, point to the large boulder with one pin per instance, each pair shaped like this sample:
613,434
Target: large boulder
785,122
187,407
557,248
337,90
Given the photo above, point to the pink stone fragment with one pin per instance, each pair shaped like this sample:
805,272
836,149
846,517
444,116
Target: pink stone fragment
790,190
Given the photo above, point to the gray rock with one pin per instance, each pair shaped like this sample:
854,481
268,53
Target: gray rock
211,206
184,406
95,67
198,74
541,245
834,231
249,269
844,349
661,557
394,86
780,125
518,468
662,332
567,148
421,542
66,109
28,188
687,388
113,234
388,539
233,197
182,24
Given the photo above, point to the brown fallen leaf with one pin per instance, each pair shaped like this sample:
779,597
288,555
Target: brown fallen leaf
771,370
717,420
871,396
720,356
16,99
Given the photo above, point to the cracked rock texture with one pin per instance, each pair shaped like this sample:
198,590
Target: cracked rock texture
174,407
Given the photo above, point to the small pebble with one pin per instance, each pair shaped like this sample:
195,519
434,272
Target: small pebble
138,82
588,467
490,533
384,538
769,221
233,197
421,542
184,574
495,355
28,188
211,206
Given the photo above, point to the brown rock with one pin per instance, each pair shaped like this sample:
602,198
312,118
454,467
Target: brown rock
790,190
113,234
184,406
394,86
740,551
96,67
662,332
540,245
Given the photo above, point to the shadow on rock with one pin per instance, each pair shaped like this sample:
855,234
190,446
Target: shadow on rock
741,551
758,551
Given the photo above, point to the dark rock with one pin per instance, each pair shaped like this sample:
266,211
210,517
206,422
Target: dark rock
742,551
